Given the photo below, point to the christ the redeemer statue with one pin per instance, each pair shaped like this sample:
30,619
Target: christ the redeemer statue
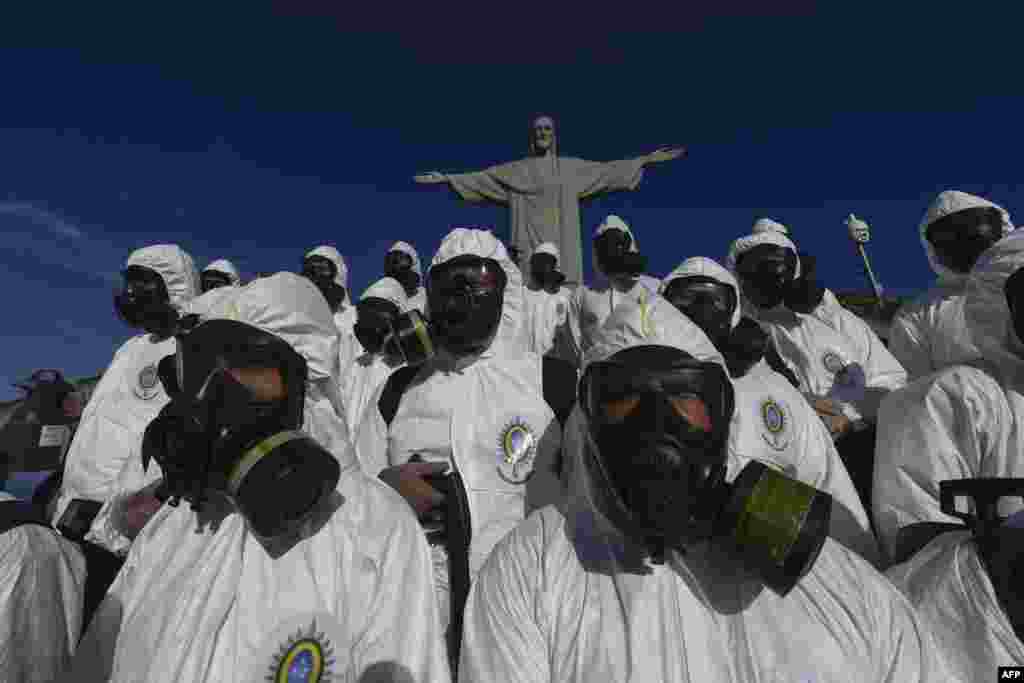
543,192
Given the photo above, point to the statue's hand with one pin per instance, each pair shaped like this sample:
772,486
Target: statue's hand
665,154
432,178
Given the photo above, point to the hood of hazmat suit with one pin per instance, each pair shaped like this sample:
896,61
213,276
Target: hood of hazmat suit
130,393
370,370
835,355
42,589
203,599
960,423
419,300
225,266
949,586
775,425
929,333
482,242
769,225
484,415
565,597
590,306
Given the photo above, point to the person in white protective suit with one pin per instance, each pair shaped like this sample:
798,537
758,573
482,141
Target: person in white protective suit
402,263
623,583
962,422
220,273
828,298
280,560
160,280
773,423
131,504
547,302
376,313
42,591
843,367
928,333
477,409
327,269
619,268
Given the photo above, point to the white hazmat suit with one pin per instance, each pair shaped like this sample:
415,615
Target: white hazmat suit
566,598
344,317
948,584
834,353
591,305
418,301
212,604
371,370
42,589
485,416
774,424
548,312
963,422
929,333
129,394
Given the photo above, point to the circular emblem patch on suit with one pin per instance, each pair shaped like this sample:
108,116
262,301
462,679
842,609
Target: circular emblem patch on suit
148,384
833,363
773,416
517,450
302,649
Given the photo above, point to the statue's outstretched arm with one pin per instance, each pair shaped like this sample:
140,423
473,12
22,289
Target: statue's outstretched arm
664,154
431,178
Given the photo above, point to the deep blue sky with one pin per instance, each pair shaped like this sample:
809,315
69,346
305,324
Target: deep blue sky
257,135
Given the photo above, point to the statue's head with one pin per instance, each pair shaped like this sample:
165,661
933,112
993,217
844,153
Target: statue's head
542,135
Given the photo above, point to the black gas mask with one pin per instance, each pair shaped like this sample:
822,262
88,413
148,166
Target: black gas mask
401,337
465,297
766,272
614,256
399,265
233,428
144,303
212,279
544,270
960,238
707,302
321,271
659,422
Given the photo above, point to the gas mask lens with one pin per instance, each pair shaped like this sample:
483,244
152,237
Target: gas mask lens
465,299
213,279
143,301
960,238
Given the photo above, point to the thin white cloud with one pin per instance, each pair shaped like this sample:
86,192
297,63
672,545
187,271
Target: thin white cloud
80,253
46,218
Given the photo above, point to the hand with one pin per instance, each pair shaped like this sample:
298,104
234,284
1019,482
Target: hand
136,511
432,178
408,480
831,415
665,154
860,232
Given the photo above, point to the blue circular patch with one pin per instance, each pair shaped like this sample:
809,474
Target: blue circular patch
773,416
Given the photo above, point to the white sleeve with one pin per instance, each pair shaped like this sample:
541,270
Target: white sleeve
501,639
372,438
402,639
957,425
